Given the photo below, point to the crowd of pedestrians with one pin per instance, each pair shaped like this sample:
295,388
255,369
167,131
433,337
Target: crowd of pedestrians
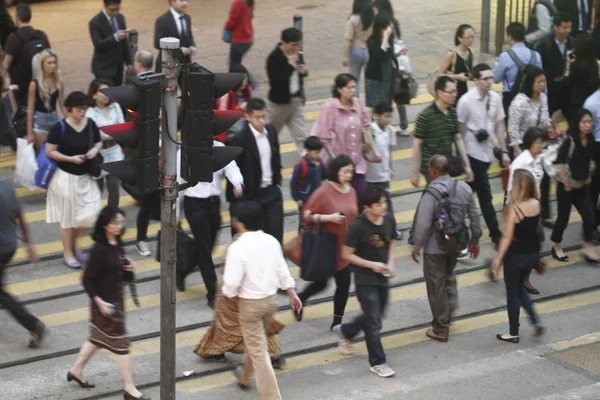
341,183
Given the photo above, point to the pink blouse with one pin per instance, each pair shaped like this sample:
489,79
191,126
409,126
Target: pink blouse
342,128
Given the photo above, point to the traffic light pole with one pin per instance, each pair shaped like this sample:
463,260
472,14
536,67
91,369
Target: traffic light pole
170,69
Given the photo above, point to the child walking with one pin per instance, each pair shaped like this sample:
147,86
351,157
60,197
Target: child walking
308,174
369,249
380,174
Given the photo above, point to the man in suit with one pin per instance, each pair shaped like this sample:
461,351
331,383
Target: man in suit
111,52
581,12
286,71
260,164
175,23
554,50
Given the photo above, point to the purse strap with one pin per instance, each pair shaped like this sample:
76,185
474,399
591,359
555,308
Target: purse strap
90,135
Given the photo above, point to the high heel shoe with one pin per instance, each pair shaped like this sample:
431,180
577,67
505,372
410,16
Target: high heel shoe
85,385
129,396
561,259
511,340
531,290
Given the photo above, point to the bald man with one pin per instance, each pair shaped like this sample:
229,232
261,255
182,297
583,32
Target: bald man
142,63
438,262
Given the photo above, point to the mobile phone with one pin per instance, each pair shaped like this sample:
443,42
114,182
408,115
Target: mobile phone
342,214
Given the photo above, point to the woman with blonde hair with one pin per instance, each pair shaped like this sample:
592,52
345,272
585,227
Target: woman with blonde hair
519,251
45,96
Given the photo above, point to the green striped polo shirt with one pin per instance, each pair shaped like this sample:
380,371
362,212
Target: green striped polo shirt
437,130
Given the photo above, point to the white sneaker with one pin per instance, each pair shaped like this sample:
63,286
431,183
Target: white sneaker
383,370
344,344
142,248
403,132
463,255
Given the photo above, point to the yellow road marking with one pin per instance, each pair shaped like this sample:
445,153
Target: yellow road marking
391,342
321,310
585,339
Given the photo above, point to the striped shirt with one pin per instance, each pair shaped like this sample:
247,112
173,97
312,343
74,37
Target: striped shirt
437,131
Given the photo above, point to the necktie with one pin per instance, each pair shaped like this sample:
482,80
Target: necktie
182,21
113,20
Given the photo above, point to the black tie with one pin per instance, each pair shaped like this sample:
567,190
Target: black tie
584,16
182,20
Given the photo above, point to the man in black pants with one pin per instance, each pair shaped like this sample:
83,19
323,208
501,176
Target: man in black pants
481,117
202,206
260,163
10,212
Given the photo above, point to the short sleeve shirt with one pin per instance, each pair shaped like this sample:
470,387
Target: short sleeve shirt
371,242
356,33
437,130
73,143
478,113
14,47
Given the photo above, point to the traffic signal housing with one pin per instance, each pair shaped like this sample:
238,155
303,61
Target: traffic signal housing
201,122
141,98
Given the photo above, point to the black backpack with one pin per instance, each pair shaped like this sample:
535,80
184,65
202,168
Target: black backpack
533,21
449,224
523,69
32,45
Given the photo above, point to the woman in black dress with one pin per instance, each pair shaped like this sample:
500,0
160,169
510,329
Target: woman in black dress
457,63
103,281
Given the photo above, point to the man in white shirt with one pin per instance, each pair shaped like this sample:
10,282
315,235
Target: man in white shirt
255,270
481,116
202,206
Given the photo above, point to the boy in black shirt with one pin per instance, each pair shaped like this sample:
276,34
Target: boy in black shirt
369,249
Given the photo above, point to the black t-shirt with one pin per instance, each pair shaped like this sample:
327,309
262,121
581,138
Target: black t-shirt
73,143
371,242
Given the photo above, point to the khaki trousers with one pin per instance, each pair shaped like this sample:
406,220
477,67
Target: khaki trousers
253,317
441,289
292,116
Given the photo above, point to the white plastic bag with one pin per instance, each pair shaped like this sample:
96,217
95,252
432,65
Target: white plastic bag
26,165
403,59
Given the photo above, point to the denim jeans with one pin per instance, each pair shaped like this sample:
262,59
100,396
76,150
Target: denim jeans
237,52
517,268
373,300
357,61
43,122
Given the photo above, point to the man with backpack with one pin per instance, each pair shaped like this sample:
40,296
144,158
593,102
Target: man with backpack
512,64
441,231
21,47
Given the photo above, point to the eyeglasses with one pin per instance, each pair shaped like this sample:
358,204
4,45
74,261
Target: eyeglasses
80,109
486,78
451,92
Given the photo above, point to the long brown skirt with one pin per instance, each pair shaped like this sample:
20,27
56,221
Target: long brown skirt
109,332
225,334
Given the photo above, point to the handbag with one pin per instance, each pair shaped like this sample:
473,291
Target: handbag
185,253
319,254
292,250
46,165
94,163
226,36
26,165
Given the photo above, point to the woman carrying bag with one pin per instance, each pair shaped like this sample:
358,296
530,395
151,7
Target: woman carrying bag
334,206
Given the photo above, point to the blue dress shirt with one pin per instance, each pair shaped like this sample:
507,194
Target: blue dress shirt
506,70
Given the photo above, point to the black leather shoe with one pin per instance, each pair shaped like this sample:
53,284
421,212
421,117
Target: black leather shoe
514,340
180,283
128,396
531,290
555,256
85,385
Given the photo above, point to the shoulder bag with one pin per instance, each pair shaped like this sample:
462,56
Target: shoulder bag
94,163
319,254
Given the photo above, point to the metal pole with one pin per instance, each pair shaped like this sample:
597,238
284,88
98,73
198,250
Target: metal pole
298,25
500,25
486,9
171,69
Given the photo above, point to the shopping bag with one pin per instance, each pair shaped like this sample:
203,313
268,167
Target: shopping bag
26,165
46,165
319,254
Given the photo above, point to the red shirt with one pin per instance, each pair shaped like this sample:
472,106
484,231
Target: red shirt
327,200
240,22
229,101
